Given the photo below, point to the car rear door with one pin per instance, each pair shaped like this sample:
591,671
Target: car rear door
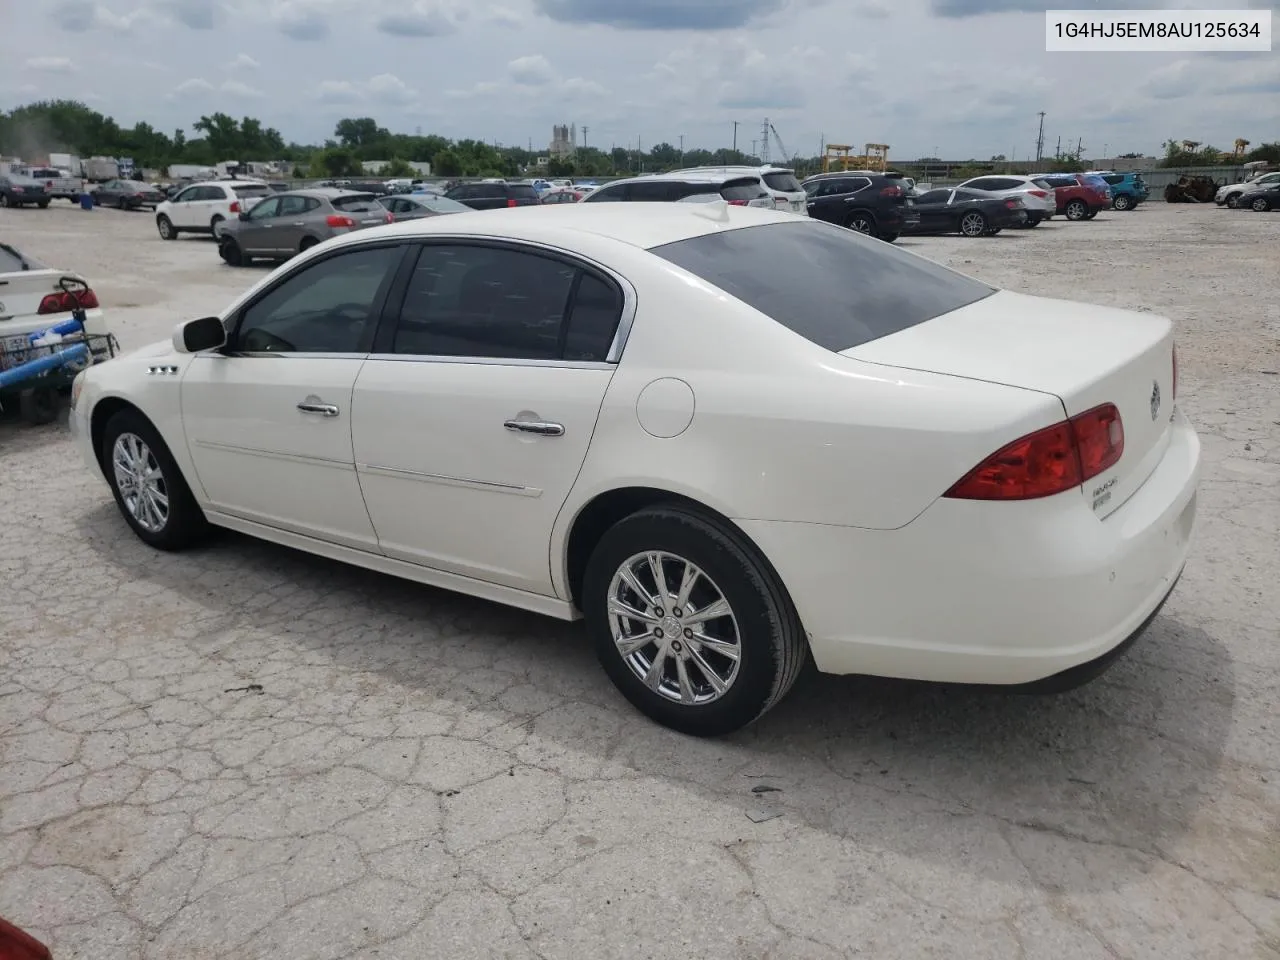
472,417
290,222
256,233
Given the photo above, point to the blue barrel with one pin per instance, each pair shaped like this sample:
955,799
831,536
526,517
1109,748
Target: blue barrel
86,201
25,371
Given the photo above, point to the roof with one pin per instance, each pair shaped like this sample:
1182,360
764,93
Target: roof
326,193
225,182
743,167
715,175
643,225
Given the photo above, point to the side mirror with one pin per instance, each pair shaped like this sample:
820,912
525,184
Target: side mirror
196,336
244,214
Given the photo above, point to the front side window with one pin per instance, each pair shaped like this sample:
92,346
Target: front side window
191,193
934,196
267,208
295,206
832,286
328,307
658,191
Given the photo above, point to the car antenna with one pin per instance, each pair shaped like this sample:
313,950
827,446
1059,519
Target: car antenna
717,210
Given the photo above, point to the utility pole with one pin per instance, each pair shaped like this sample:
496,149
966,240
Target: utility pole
1058,151
1079,148
753,147
585,128
639,157
682,149
1040,142
764,141
735,136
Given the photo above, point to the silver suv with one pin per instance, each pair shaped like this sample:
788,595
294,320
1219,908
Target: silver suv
687,186
781,183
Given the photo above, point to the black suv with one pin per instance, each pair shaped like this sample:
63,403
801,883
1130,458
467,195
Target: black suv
867,202
493,195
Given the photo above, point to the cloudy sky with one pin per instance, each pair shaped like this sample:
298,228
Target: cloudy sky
957,78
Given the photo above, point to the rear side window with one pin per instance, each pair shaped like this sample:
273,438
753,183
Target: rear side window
1114,178
832,286
522,191
783,182
489,191
357,203
9,263
657,191
607,194
593,319
742,190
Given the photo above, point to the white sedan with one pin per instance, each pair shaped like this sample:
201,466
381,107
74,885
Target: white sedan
729,439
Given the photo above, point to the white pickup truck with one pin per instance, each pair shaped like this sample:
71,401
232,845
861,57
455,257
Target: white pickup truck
60,182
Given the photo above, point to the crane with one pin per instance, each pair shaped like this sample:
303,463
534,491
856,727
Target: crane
786,154
766,131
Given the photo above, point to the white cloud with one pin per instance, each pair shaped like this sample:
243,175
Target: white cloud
243,91
386,89
532,71
198,87
50,65
243,62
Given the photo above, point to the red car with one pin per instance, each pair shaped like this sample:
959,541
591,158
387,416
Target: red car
1080,195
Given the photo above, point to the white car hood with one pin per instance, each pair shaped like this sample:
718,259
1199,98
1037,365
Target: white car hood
161,348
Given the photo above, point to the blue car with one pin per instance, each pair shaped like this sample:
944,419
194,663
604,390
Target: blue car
1127,189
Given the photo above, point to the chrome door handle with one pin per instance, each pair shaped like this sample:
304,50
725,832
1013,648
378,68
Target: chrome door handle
544,428
299,223
315,405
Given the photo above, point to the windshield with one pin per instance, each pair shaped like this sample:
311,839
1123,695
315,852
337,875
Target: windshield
522,191
832,286
442,205
356,203
13,261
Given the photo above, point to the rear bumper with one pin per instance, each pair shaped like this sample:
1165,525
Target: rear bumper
988,593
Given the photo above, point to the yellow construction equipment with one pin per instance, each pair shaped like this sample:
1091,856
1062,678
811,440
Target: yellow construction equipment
1241,146
839,156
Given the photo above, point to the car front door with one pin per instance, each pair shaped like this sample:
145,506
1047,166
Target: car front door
931,207
256,233
268,417
179,211
290,223
472,417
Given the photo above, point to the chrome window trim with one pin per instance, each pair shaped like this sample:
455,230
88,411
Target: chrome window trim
494,361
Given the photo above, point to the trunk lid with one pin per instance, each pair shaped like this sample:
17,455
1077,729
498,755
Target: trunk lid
1083,354
20,296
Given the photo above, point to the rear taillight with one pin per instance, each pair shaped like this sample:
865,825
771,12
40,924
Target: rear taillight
17,189
511,202
890,191
334,220
1048,461
235,207
737,203
66,302
1012,204
390,217
1038,193
1175,371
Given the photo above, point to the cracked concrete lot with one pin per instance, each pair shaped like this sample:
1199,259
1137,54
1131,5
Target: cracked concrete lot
248,752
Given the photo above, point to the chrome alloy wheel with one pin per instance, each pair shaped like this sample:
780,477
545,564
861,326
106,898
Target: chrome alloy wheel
973,225
674,628
141,482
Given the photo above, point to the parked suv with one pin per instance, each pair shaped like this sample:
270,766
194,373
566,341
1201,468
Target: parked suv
1077,196
870,203
1037,198
1127,189
494,195
781,183
286,224
1231,193
687,186
205,207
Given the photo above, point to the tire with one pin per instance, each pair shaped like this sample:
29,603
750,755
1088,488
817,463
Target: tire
1091,214
306,244
763,624
992,232
1122,202
43,204
5,201
165,226
974,224
230,252
861,222
1076,210
38,406
1030,223
890,237
214,227
1260,205
160,510
1233,201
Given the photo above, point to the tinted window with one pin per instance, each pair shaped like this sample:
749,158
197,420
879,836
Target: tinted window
786,182
830,285
984,183
251,190
743,190
212,193
325,308
970,195
522,191
1114,178
593,320
607,194
657,191
356,203
476,301
488,191
934,196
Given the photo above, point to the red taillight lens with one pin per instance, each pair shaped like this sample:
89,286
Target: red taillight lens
891,192
1048,461
1038,193
391,217
1175,371
235,206
511,202
16,189
66,302
334,220
737,203
1011,204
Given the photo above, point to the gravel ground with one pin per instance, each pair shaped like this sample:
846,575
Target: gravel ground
248,752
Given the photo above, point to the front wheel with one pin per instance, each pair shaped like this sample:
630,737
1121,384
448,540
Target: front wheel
148,486
165,226
973,224
1233,201
230,252
1122,202
42,204
1076,210
691,625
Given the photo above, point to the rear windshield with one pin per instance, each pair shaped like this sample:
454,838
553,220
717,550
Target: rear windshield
522,191
45,174
832,286
12,260
784,182
252,190
742,190
356,203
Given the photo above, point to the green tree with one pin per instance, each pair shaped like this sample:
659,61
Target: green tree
447,164
223,135
396,167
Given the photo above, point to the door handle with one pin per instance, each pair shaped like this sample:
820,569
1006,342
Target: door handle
299,223
316,405
544,428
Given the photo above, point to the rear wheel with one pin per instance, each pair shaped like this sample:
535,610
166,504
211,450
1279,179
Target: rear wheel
165,226
973,224
1076,210
39,405
42,204
4,200
148,486
1261,204
890,237
691,625
306,244
1122,202
215,227
861,222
